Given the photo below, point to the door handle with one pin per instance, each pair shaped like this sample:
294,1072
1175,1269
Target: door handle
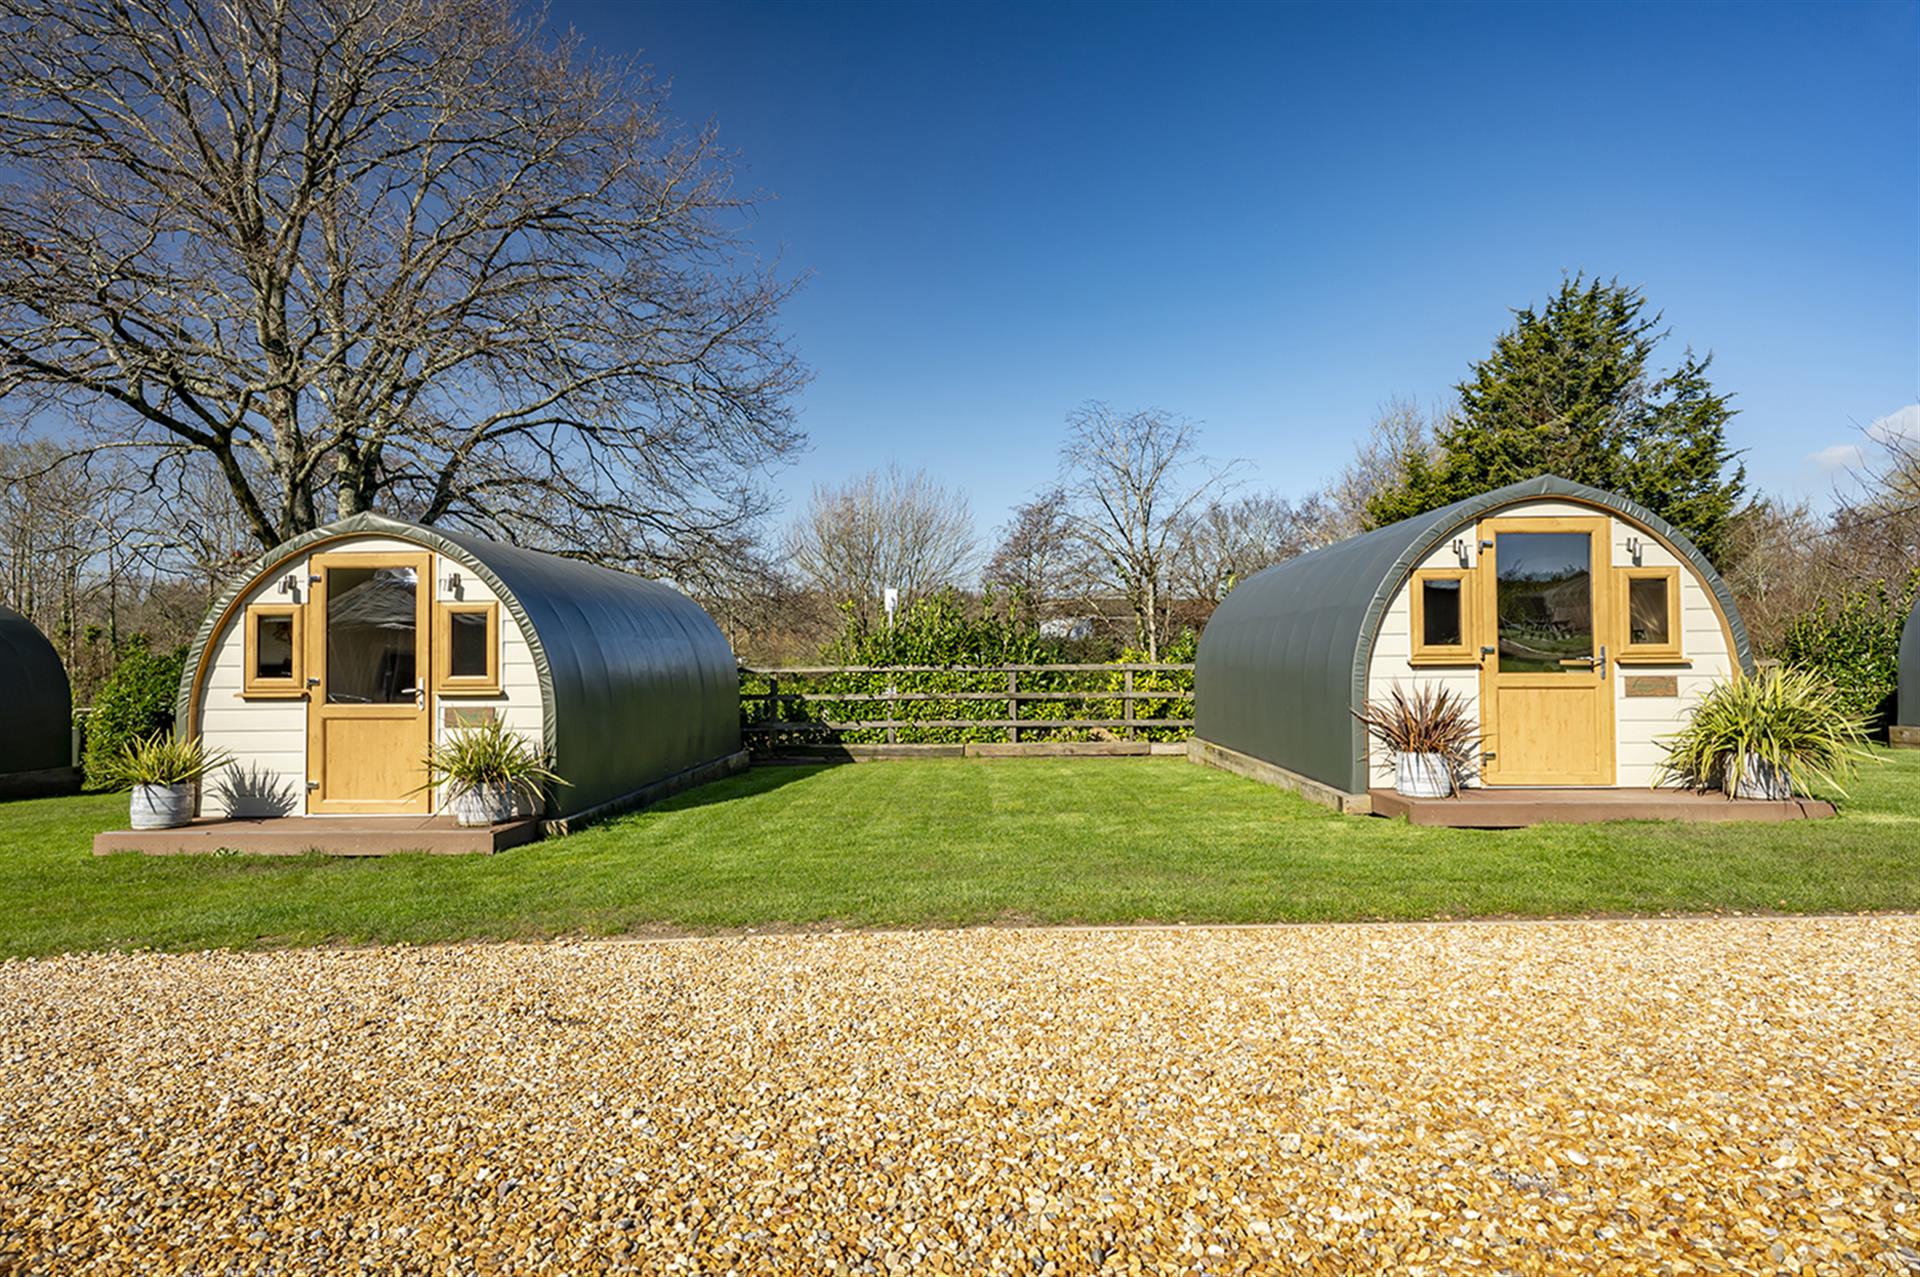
1596,663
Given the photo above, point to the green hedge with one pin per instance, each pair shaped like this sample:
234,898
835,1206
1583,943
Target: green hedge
940,632
135,702
1853,641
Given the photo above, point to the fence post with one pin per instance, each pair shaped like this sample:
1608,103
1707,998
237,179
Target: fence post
1127,703
893,708
1013,705
773,700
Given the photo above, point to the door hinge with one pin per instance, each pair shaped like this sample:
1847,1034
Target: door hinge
312,785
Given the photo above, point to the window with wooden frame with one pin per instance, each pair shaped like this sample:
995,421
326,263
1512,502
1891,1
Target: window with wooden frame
275,647
467,648
1443,617
1649,611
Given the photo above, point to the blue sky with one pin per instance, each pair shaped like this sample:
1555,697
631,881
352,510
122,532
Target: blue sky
1271,219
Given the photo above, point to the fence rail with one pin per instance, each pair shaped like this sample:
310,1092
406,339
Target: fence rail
773,714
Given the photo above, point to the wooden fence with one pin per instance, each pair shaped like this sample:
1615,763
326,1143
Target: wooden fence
933,703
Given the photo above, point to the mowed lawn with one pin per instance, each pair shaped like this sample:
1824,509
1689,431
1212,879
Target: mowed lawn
946,843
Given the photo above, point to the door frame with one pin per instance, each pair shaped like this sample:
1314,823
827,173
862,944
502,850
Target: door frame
1599,681
419,802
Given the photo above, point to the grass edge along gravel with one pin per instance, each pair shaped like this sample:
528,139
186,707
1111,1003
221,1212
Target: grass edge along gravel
947,843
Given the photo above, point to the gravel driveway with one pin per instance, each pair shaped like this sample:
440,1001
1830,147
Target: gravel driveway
1726,1095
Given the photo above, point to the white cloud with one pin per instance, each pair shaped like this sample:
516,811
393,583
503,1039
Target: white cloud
1896,429
1897,426
1841,456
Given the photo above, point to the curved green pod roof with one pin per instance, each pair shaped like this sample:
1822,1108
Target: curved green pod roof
36,704
637,682
1282,666
1907,708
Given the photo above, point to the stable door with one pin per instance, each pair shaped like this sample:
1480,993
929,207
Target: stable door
1545,693
368,727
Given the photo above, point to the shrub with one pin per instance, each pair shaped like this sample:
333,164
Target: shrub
161,759
1433,720
1853,643
489,754
133,705
1790,720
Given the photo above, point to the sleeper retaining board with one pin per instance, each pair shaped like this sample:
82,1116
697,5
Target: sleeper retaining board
332,835
1519,808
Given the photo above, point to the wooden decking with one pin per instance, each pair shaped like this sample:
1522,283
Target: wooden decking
333,835
1518,808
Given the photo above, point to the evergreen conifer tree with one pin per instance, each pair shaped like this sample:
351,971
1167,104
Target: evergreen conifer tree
1569,390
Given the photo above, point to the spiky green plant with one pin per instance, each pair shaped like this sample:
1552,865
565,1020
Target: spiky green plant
1433,720
161,759
1788,719
487,754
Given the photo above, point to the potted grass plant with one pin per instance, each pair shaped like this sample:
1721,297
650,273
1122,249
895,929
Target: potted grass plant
1429,734
1769,736
489,773
163,772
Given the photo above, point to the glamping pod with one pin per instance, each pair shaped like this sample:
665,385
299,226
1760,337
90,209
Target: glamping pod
1906,715
342,655
36,713
1578,626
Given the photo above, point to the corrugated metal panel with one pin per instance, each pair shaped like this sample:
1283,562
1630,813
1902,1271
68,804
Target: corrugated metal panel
1908,708
637,682
1282,665
36,705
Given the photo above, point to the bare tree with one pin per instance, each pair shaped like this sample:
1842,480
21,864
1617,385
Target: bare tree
1777,565
884,529
1876,526
1039,560
1133,483
418,255
1399,430
1233,539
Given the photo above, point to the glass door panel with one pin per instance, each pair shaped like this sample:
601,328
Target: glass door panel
372,635
1544,609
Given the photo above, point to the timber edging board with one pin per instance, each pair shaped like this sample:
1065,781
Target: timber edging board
51,782
691,778
1904,737
1208,754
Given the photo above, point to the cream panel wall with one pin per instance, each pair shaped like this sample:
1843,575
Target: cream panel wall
268,738
1707,658
1393,648
1639,722
519,703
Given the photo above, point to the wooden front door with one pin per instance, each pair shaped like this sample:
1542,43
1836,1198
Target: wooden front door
1546,696
368,724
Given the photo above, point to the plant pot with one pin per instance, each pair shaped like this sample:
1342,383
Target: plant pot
162,806
1423,776
1761,779
479,805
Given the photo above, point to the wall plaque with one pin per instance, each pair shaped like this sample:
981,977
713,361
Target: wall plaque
1653,685
475,715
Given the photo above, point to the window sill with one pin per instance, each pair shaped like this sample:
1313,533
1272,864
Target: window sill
1463,658
1652,658
273,694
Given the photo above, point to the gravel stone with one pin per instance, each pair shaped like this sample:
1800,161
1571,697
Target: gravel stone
1673,1096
